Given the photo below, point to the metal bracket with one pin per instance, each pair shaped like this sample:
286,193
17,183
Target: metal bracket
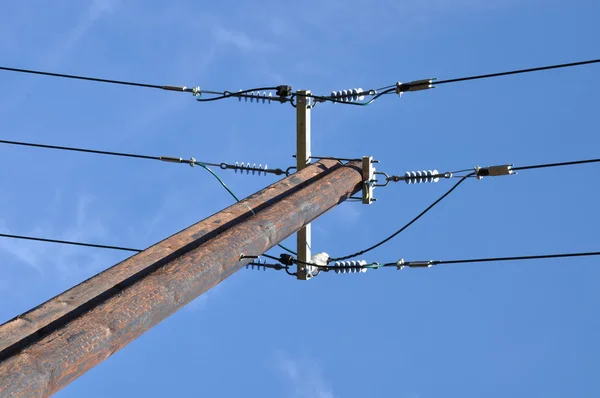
303,236
369,181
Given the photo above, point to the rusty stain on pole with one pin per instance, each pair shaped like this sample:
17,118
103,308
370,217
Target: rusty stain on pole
63,353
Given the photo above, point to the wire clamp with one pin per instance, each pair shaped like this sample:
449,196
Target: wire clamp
415,85
494,171
400,264
192,161
196,92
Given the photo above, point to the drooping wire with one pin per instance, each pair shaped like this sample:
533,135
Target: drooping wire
66,242
431,206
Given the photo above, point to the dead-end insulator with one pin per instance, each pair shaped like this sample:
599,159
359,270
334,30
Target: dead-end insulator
352,95
421,177
252,96
248,168
258,265
349,267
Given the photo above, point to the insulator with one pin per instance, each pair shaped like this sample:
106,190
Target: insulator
421,177
250,168
257,96
257,265
349,267
351,95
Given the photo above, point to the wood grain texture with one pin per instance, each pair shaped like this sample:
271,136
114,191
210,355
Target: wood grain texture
159,281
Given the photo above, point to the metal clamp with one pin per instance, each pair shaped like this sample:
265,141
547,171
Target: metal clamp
494,171
369,181
416,85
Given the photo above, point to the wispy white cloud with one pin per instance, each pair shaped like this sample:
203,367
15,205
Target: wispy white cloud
96,10
305,377
56,52
62,261
240,39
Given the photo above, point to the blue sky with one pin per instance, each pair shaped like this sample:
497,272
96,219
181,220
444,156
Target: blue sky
495,330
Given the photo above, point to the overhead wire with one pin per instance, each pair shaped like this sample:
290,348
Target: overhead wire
192,162
427,263
515,258
194,90
560,164
100,152
110,81
431,206
517,71
66,242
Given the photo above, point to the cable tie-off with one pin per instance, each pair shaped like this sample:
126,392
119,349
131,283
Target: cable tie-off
400,264
415,85
494,171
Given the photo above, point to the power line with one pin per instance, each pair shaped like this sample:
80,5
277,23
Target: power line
191,162
431,206
66,242
85,244
428,263
518,71
110,153
100,80
425,84
479,172
547,165
248,94
516,258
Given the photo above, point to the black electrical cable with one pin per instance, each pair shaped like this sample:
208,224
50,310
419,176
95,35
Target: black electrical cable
541,166
518,71
65,242
516,258
99,80
495,259
93,79
240,94
122,154
405,226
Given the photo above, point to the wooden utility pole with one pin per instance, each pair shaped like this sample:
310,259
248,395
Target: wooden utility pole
43,350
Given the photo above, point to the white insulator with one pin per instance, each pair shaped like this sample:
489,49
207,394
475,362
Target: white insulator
258,265
250,168
350,267
351,95
421,177
256,95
